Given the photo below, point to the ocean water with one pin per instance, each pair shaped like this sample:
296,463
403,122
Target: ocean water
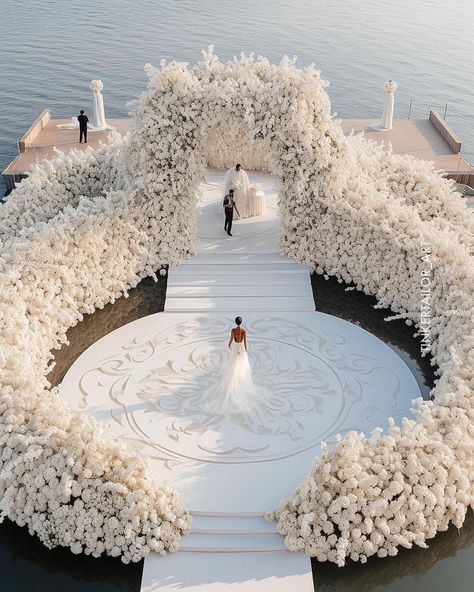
51,49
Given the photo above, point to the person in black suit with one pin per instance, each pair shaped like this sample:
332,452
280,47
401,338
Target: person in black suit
82,119
229,207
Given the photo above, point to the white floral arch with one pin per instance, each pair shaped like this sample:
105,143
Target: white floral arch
268,117
84,228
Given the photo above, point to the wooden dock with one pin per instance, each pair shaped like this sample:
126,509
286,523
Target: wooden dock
421,138
44,136
428,139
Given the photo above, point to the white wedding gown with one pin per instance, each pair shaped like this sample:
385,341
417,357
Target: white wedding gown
236,391
235,397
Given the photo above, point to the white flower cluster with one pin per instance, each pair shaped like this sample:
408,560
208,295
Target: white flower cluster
96,85
369,496
85,228
390,86
62,181
415,183
74,237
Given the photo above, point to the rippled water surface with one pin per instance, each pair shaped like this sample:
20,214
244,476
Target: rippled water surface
51,49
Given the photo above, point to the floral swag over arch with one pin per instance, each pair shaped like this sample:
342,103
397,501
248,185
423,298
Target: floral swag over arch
86,227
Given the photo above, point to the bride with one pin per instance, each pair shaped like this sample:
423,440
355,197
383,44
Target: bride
235,397
236,391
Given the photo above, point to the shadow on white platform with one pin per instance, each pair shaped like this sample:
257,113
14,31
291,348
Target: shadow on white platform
220,572
145,381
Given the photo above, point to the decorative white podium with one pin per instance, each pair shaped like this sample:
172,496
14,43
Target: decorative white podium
387,119
257,201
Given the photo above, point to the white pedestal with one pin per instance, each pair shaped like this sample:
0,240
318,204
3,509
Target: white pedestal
257,202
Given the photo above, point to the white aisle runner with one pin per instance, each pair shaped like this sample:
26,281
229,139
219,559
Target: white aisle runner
228,572
241,273
238,274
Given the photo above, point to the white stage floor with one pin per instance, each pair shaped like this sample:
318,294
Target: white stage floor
324,375
145,381
327,376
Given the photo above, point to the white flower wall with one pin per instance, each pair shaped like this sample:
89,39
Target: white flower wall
62,181
59,474
371,496
415,183
102,221
225,146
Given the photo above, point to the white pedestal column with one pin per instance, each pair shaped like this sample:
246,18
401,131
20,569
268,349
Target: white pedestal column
98,121
387,119
98,112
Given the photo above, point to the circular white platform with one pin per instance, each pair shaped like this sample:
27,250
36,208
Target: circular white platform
144,381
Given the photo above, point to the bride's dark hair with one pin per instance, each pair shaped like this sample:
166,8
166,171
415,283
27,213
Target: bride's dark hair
238,320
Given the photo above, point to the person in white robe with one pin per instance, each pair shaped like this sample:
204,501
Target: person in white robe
238,180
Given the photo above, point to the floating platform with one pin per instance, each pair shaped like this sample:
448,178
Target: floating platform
44,137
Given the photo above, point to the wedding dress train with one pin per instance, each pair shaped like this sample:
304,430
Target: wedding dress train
236,391
235,397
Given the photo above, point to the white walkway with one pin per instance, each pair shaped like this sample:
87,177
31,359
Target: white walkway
241,273
144,382
223,572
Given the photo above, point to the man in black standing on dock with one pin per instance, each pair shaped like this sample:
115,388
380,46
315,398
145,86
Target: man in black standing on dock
82,119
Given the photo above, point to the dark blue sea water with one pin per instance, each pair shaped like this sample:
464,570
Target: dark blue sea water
51,49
